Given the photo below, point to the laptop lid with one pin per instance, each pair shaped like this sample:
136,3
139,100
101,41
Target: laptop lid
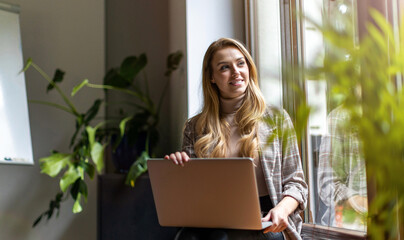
208,193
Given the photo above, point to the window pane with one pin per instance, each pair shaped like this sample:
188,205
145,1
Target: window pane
268,49
336,169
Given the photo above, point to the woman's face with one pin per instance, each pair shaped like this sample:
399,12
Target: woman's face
230,72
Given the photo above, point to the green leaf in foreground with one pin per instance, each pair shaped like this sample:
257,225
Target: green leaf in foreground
97,154
69,178
77,207
122,125
138,168
53,164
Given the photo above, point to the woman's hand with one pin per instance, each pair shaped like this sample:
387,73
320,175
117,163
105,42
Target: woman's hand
279,215
178,158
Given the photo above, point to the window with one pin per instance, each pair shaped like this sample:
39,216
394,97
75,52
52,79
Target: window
335,164
331,151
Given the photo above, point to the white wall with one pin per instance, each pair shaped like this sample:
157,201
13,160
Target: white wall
68,35
135,27
207,21
178,87
194,25
160,27
268,55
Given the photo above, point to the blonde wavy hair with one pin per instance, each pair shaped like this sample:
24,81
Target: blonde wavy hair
211,128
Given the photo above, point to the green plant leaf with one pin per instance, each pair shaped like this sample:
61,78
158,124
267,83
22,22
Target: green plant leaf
138,168
77,207
173,62
91,135
97,149
127,69
377,37
384,25
88,168
79,188
122,124
97,154
54,163
69,178
131,67
57,77
74,191
83,189
37,220
113,78
92,112
78,87
54,205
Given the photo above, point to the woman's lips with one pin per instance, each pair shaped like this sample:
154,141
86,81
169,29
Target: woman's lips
236,82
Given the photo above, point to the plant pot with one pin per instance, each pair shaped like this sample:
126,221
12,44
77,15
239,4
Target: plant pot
127,152
128,213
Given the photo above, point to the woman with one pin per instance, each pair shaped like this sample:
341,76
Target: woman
231,125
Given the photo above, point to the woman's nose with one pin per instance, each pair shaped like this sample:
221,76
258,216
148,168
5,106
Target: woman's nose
235,72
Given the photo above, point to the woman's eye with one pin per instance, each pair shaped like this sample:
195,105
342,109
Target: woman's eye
241,63
224,67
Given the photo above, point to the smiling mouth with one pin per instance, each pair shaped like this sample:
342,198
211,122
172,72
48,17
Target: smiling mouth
236,82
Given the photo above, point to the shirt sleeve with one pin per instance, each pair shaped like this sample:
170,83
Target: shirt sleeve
188,138
293,180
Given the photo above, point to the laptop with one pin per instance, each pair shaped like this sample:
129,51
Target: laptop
206,193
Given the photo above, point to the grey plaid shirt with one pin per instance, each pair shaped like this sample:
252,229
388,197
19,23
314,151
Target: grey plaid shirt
280,161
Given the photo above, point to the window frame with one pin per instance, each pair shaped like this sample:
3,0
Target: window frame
292,54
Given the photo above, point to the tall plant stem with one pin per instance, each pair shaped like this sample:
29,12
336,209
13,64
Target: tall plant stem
135,94
67,101
58,106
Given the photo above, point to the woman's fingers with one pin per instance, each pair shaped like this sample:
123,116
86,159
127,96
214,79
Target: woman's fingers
279,221
266,219
185,156
178,158
173,158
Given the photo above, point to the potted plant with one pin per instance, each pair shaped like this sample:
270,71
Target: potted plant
141,134
87,149
88,142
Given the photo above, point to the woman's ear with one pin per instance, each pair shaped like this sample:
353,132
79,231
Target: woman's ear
212,80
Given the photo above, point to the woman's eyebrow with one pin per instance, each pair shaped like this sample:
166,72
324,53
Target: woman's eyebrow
226,62
222,62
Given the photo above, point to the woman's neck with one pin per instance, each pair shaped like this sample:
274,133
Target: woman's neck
231,105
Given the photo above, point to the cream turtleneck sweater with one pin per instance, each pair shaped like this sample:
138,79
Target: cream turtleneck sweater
229,107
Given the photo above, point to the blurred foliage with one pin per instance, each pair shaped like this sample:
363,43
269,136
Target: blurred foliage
365,78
